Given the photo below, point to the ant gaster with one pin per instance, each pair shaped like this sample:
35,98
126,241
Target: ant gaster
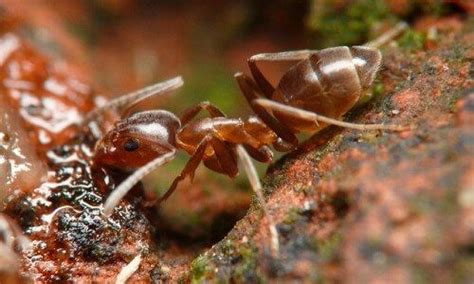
317,90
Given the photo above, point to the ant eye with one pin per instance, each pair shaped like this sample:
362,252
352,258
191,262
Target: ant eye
130,145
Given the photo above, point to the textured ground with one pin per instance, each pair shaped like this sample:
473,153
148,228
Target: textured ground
370,206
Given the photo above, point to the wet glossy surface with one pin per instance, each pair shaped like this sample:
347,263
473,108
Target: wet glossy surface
49,99
57,202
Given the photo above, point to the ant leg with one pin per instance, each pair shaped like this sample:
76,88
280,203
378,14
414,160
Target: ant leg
252,175
225,156
262,154
387,36
135,97
250,93
311,116
189,168
121,190
191,112
262,82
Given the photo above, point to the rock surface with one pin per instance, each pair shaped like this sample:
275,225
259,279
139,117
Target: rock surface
362,207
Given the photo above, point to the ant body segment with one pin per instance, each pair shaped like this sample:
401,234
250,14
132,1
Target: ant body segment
321,87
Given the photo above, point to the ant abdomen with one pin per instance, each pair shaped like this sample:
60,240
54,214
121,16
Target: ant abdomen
329,83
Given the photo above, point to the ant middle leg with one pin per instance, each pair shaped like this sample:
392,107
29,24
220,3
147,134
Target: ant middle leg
252,175
262,154
226,156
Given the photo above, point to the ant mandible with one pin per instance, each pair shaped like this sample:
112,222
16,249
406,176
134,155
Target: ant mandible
321,87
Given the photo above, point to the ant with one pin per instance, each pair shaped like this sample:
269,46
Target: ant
146,140
317,90
322,86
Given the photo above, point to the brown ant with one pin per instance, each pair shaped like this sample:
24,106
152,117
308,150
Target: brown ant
146,140
321,87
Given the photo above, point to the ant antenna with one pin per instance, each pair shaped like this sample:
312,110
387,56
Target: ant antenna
257,188
121,190
135,97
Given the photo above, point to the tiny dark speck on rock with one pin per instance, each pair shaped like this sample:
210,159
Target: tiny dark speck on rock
284,229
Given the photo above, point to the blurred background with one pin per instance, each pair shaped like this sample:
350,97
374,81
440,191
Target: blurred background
122,45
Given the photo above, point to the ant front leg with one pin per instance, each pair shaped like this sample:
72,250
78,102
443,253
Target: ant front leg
189,169
251,93
225,157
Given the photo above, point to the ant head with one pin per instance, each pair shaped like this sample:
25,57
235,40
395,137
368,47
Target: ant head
136,140
367,62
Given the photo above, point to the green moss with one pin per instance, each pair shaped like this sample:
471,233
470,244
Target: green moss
348,25
199,269
462,270
433,7
456,54
412,40
291,216
246,268
420,276
328,248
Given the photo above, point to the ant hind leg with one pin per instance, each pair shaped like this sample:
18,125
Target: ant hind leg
311,116
251,94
